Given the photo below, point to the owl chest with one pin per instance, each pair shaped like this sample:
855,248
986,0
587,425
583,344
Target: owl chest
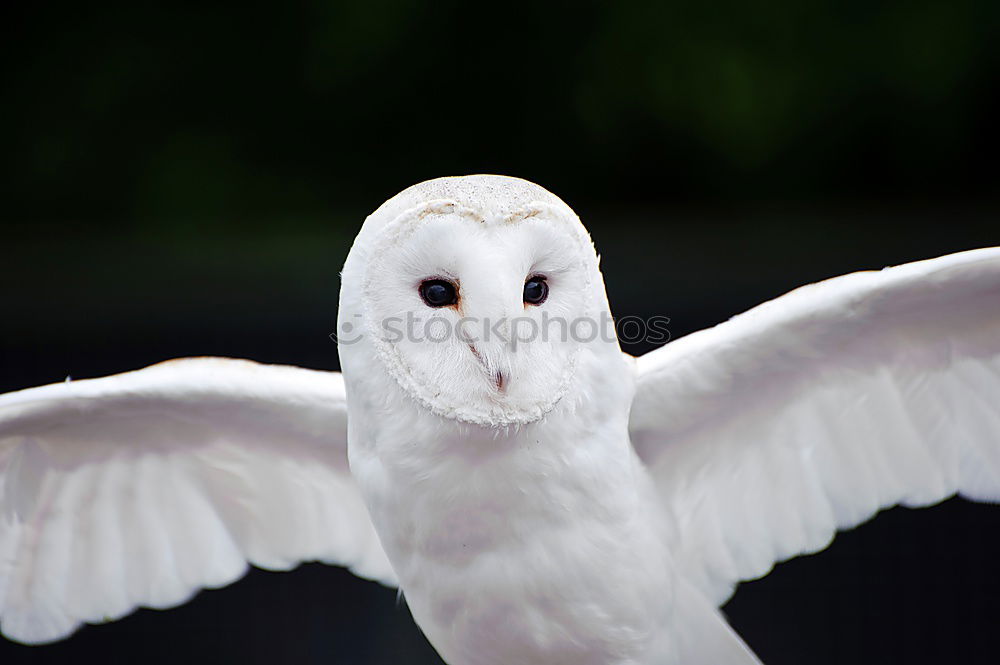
523,568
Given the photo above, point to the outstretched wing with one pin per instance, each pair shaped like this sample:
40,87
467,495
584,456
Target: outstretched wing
141,488
810,413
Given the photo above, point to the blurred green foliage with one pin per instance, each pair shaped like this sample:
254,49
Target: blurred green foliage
238,115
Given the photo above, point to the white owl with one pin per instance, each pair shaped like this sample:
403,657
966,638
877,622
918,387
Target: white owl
539,496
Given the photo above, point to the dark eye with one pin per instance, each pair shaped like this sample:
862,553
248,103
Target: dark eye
438,293
536,290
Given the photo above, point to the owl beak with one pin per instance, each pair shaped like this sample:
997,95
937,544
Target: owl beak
500,380
498,376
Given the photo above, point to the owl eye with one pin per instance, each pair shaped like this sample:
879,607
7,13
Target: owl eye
438,293
536,290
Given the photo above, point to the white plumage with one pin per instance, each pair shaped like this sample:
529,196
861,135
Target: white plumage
539,501
141,488
820,408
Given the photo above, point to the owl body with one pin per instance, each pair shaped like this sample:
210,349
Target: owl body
544,545
497,467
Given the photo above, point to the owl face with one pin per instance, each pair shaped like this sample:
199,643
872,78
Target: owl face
478,296
475,314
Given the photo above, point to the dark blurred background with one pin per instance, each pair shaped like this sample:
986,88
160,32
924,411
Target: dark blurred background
187,179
